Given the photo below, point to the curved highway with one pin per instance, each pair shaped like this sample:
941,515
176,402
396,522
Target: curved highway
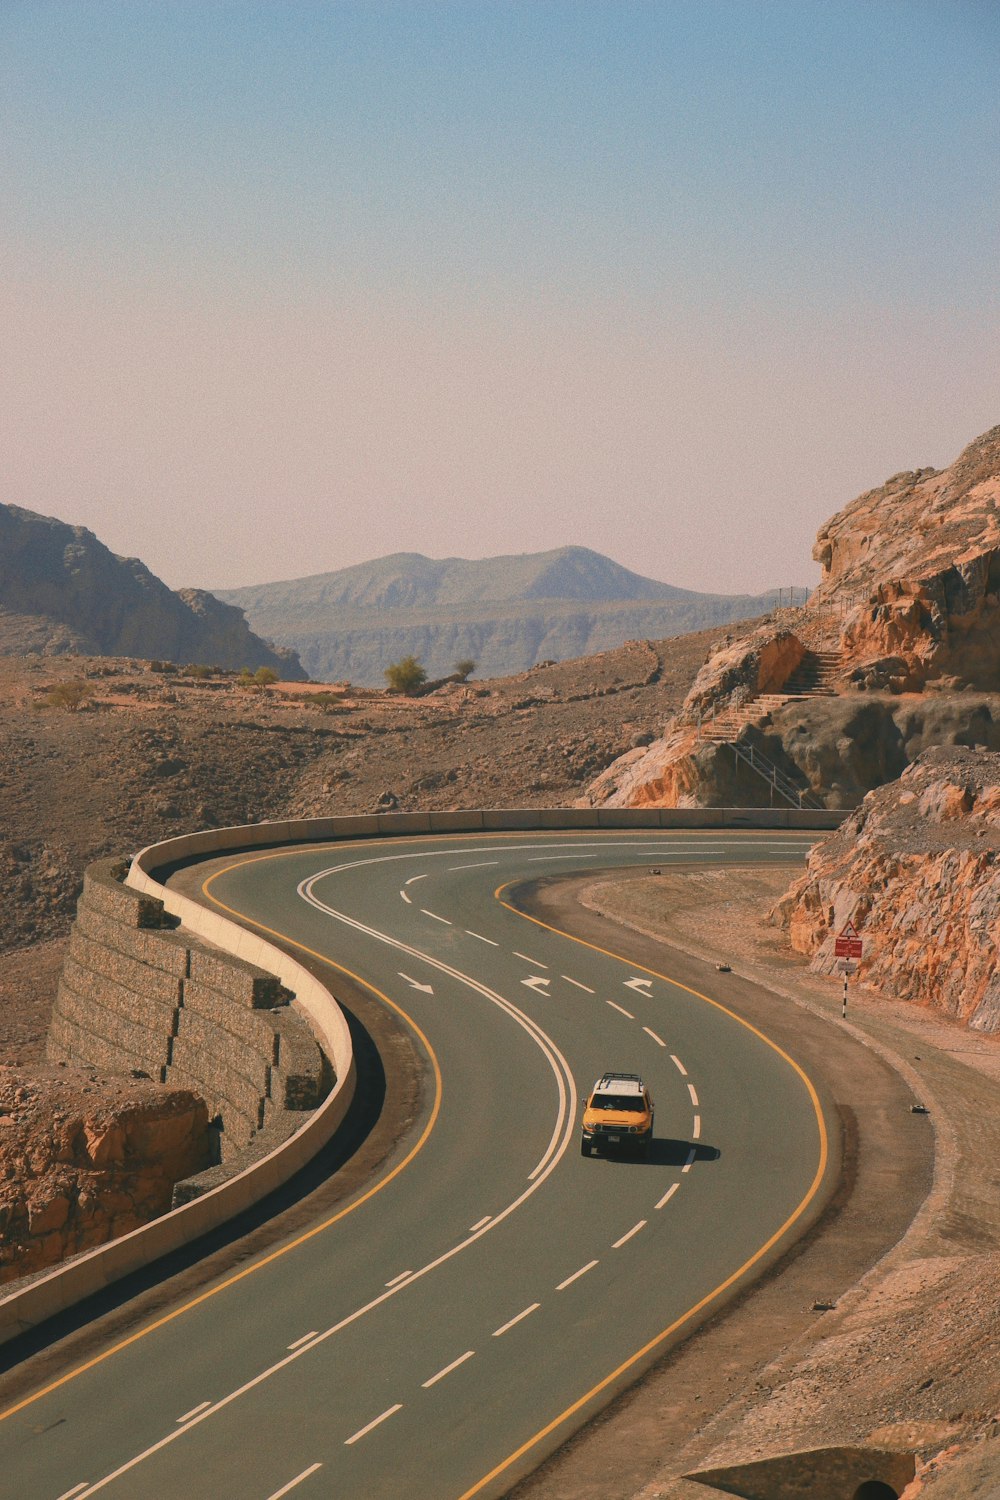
491,1289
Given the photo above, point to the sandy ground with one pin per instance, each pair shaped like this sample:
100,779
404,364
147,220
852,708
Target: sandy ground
906,1358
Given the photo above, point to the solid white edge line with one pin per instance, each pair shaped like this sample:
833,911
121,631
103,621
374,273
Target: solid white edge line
529,960
469,1354
364,1431
626,1237
671,1190
696,1132
194,1411
397,1279
576,1275
678,1065
293,1482
615,1006
657,1039
578,985
304,1339
482,939
434,914
694,1094
504,1327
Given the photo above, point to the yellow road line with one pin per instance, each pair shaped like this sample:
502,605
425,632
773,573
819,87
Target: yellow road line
309,1234
723,1286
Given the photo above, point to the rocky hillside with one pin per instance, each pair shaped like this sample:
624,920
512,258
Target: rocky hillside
899,648
504,613
62,590
917,870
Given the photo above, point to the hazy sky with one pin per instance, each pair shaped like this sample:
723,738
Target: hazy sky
288,286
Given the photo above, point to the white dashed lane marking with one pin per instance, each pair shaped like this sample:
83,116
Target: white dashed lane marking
696,1132
200,1407
397,1279
657,1039
671,1190
303,1340
497,1332
469,1354
364,1431
535,962
285,1488
68,1494
481,1225
678,1065
406,898
481,938
694,1096
482,865
414,878
576,1275
626,1237
434,914
615,1006
690,1161
578,985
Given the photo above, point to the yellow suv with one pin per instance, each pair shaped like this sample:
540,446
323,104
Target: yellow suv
618,1114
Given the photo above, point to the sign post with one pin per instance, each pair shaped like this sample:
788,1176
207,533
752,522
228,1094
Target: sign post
847,945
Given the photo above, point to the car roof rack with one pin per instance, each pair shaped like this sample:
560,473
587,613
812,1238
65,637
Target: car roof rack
614,1075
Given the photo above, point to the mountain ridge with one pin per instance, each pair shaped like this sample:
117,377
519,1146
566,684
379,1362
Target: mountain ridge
504,612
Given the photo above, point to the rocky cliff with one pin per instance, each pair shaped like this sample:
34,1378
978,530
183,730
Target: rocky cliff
916,868
62,590
85,1158
898,648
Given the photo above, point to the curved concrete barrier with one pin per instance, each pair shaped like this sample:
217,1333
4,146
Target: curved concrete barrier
96,1269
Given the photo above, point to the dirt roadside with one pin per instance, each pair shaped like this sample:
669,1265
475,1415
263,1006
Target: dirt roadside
905,1358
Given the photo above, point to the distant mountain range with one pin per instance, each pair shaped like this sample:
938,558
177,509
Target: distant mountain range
62,590
504,613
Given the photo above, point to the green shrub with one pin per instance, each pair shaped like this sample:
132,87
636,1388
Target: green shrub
265,676
69,695
464,669
198,671
405,676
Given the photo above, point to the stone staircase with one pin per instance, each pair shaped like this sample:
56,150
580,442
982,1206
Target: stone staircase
815,676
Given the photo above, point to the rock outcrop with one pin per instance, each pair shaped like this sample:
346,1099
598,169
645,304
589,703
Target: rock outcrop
62,590
85,1158
821,701
916,868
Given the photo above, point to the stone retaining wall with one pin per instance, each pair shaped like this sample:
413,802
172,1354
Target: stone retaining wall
139,995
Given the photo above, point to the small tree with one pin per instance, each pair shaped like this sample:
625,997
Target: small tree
405,676
465,668
71,695
264,676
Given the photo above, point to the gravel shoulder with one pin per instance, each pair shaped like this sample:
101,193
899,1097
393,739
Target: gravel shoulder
908,1255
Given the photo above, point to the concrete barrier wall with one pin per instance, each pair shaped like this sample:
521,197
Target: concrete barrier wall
97,1269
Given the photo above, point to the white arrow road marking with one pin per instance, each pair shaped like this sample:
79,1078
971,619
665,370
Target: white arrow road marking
537,983
641,986
415,983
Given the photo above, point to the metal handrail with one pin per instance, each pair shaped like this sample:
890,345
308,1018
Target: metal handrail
777,780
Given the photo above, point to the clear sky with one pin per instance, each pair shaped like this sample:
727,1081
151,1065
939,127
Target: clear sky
289,286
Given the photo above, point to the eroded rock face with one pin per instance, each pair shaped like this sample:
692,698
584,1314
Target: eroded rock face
916,868
909,601
85,1158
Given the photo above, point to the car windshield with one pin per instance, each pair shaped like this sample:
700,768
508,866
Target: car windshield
628,1103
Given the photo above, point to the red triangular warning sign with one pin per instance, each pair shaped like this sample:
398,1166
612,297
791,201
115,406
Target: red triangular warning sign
849,931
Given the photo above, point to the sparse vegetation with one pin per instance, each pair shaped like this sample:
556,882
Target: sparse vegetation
265,676
198,672
465,668
405,676
71,695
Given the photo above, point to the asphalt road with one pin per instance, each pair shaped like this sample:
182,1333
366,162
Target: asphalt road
490,1289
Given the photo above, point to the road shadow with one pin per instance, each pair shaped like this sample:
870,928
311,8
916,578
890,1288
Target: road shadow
667,1152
